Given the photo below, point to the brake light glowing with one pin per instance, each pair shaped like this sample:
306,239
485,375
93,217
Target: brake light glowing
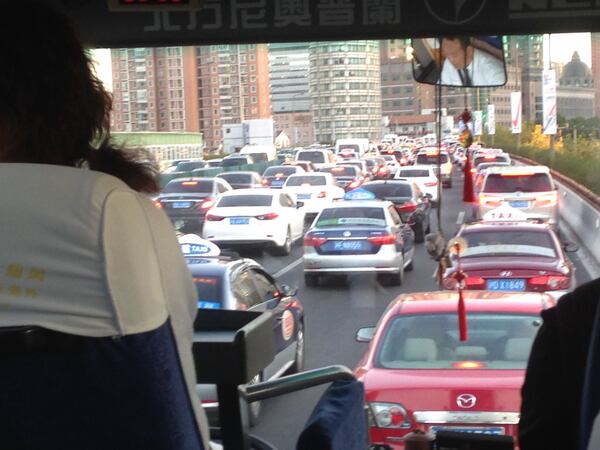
431,184
214,218
322,194
158,204
549,199
386,239
468,365
337,169
473,170
489,157
189,183
208,203
409,206
516,174
310,240
474,281
269,216
550,282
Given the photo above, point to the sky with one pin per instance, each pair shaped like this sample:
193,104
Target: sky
562,47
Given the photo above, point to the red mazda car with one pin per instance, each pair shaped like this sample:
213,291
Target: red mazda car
514,256
418,374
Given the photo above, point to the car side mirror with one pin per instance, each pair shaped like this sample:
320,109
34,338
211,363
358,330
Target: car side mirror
365,334
299,204
570,247
288,291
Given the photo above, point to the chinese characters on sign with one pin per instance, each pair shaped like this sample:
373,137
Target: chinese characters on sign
19,281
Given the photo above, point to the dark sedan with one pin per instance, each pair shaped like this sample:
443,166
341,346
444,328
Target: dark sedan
346,176
275,176
242,180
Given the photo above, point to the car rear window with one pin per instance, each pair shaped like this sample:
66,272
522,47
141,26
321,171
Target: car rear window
507,182
341,171
312,156
431,341
490,159
188,166
245,200
413,173
259,157
385,190
273,171
431,159
509,242
196,186
360,215
236,177
312,180
210,292
231,162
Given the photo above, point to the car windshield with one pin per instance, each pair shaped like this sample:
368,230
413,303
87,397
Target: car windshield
210,291
236,177
508,182
431,341
414,173
424,158
312,156
277,170
363,216
245,200
311,180
385,190
504,241
341,171
196,186
188,166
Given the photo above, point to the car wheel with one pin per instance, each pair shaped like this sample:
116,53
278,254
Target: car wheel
419,232
311,280
410,266
397,279
254,408
286,248
298,365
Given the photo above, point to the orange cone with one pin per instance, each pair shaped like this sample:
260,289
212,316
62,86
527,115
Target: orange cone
468,193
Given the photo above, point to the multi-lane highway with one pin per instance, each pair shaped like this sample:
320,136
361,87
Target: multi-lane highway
334,311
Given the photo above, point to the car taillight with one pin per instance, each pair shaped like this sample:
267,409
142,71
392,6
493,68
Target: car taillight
385,239
550,282
474,282
265,182
207,203
407,207
158,204
549,199
310,240
431,183
322,194
214,218
489,201
354,184
269,216
473,170
388,415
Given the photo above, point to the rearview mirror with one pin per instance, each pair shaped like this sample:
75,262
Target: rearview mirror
288,291
365,334
570,247
459,61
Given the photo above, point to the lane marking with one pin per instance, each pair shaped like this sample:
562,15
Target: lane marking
287,268
461,217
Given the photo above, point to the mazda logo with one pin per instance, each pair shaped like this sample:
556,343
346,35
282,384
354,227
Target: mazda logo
466,401
455,12
506,273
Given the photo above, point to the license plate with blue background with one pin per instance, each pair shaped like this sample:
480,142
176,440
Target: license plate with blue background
276,183
517,284
348,246
303,196
239,220
519,204
472,430
181,205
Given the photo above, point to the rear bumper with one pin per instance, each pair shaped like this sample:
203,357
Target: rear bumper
384,261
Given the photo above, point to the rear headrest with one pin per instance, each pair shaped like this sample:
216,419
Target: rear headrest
517,349
420,349
471,352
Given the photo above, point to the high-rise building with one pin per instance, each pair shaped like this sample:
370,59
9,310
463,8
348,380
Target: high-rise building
596,68
527,53
345,88
500,96
154,89
290,91
233,86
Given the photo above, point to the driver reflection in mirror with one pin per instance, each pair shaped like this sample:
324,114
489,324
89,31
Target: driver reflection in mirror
468,65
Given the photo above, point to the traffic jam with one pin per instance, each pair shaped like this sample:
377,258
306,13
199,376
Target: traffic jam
357,210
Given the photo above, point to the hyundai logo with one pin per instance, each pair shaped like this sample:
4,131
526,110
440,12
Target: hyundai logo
466,401
506,273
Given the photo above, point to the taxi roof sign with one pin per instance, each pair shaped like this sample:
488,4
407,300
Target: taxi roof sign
193,246
504,213
359,194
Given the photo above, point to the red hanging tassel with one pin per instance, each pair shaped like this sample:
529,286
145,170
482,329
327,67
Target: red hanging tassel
462,317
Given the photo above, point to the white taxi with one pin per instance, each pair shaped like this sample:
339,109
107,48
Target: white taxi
315,190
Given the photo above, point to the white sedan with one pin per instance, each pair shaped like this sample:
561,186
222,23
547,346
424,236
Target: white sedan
315,190
255,218
424,177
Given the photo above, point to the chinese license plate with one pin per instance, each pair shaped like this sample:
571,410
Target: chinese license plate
474,430
181,205
239,220
506,285
276,183
519,204
348,245
303,196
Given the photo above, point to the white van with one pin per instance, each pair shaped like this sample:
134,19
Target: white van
359,145
260,152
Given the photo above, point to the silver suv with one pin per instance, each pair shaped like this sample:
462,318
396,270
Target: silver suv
530,189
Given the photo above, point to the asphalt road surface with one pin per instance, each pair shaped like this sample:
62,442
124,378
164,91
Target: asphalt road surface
338,307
